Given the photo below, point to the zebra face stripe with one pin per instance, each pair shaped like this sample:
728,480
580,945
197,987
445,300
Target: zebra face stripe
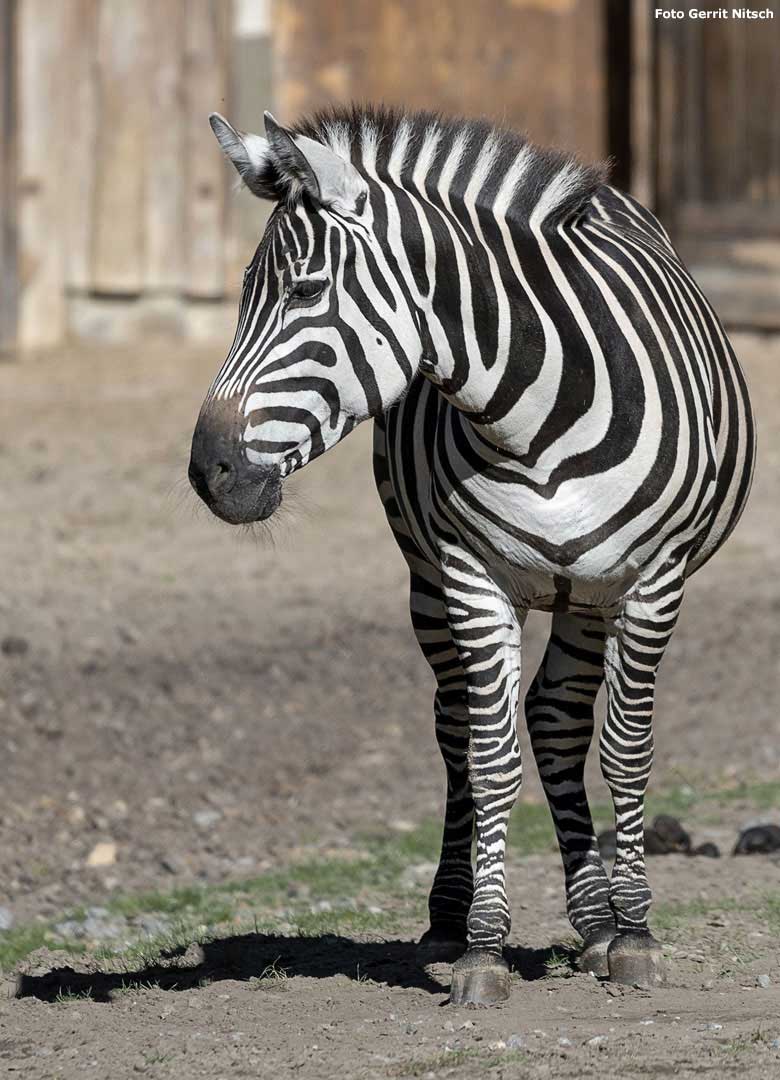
326,338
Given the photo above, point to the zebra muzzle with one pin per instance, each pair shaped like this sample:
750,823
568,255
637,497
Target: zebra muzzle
233,488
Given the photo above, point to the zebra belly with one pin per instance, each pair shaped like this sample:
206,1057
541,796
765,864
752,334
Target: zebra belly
550,554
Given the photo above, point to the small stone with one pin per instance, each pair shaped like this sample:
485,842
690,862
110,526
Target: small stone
763,981
30,702
713,1027
205,819
499,1044
775,1044
515,1042
14,645
102,854
597,1040
669,836
6,918
758,840
647,1020
708,850
564,1041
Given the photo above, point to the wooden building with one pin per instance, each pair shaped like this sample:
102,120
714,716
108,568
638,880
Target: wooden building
118,217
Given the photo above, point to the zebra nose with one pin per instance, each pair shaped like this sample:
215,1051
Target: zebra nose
212,479
220,478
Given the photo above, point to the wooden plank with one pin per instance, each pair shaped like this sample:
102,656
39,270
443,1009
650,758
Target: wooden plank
251,92
8,262
77,179
643,113
540,66
205,72
122,79
41,130
164,204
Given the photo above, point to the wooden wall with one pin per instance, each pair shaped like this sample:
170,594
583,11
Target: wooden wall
8,262
717,130
539,65
118,213
119,192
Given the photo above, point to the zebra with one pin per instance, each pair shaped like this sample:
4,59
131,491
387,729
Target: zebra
560,425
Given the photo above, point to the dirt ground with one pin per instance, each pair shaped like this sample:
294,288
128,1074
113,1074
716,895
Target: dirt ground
214,705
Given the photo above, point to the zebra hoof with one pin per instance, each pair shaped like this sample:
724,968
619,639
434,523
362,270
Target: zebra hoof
440,945
593,957
636,959
479,979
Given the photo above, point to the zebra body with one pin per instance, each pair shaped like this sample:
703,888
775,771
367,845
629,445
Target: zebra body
561,425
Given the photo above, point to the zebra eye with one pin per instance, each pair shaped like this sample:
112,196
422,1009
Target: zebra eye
307,289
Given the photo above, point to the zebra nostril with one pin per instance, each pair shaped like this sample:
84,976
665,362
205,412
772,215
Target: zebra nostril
220,478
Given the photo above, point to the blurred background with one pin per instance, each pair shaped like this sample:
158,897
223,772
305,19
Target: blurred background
182,701
116,214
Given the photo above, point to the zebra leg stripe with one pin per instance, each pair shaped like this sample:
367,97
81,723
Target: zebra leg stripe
487,635
453,885
632,658
559,713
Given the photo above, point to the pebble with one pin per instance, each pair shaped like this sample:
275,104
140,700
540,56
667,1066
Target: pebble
515,1042
713,1027
775,1044
6,918
98,925
564,1041
102,854
204,819
14,645
597,1040
763,981
170,864
758,840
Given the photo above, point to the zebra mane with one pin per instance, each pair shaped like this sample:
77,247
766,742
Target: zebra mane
357,132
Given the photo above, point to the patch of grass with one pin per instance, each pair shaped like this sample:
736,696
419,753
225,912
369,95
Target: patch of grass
344,921
272,977
18,942
560,964
531,830
670,916
454,1060
748,1041
193,901
67,997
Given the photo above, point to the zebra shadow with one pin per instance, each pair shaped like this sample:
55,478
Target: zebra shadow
273,961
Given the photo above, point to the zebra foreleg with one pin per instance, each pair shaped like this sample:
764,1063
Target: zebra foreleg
633,654
559,713
487,634
453,885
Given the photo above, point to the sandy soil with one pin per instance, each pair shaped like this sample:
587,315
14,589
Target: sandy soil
156,665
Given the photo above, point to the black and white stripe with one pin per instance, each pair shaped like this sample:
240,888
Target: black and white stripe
561,424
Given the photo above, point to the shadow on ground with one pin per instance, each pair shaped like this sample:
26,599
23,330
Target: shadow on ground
267,957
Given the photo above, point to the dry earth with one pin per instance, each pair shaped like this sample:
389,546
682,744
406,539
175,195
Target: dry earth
215,706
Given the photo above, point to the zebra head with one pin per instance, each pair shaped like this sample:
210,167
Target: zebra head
326,337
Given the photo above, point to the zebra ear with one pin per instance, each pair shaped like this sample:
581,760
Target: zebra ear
306,165
250,154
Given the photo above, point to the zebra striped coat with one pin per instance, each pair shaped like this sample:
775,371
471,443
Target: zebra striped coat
561,425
